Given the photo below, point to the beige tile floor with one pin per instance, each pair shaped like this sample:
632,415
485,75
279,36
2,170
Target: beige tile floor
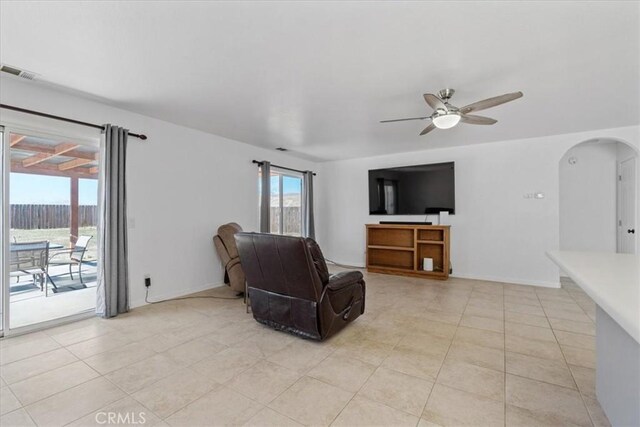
460,352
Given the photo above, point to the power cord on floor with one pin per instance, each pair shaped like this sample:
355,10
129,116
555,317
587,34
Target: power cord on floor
355,267
146,298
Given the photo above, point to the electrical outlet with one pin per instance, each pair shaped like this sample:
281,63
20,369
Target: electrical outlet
147,280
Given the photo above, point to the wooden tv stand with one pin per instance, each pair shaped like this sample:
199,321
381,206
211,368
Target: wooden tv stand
399,249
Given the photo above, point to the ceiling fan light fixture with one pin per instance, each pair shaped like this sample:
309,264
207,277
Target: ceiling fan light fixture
446,116
447,120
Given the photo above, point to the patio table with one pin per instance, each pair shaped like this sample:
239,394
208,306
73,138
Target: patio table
25,247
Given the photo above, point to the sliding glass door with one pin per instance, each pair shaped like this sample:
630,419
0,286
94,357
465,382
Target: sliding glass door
4,226
50,212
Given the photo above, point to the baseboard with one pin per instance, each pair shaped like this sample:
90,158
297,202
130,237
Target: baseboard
177,294
508,280
487,278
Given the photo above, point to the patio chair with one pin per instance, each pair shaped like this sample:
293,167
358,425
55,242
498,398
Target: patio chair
30,259
75,257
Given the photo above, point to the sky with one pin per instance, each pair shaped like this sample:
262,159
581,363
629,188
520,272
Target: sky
289,185
27,189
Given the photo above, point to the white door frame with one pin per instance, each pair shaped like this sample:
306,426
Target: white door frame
5,154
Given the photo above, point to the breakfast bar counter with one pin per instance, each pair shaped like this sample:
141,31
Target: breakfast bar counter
613,282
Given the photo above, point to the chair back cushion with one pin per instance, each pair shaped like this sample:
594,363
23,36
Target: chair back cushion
226,233
318,260
286,290
279,264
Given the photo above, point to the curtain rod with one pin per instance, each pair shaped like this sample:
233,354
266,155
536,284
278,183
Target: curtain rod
259,163
64,119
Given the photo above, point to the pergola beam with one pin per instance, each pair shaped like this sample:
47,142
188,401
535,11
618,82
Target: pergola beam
74,211
58,150
73,161
71,164
15,139
47,149
52,170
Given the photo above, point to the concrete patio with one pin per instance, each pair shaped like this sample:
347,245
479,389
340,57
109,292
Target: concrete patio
29,305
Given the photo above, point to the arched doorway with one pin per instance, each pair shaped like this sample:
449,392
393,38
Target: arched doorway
599,197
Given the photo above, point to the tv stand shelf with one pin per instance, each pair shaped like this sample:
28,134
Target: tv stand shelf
392,248
400,249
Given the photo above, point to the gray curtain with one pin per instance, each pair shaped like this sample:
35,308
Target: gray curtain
113,273
308,227
265,197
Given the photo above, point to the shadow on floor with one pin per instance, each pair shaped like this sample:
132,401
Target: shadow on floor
62,279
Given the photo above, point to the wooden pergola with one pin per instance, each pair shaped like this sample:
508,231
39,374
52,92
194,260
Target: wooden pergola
40,156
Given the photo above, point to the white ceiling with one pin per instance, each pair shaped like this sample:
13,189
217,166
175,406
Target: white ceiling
316,77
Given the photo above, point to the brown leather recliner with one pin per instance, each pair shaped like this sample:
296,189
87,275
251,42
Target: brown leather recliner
228,252
290,287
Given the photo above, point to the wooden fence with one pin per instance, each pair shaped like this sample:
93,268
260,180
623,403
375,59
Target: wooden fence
291,220
30,217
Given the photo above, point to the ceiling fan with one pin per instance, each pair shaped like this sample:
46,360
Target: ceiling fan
446,116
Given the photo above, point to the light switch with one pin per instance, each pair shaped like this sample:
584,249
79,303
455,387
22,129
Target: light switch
533,195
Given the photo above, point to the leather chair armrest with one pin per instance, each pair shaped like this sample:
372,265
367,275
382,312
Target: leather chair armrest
232,262
343,279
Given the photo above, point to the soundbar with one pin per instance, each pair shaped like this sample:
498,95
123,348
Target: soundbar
406,222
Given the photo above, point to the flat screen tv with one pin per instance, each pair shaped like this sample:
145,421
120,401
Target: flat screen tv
412,190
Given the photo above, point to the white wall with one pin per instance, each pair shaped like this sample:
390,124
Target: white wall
182,184
497,234
588,197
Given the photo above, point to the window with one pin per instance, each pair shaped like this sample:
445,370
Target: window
286,202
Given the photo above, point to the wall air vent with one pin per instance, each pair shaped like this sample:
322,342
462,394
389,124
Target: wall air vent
281,149
29,75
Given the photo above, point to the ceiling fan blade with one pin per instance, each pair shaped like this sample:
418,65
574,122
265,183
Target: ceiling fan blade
428,129
490,102
404,120
477,120
434,102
